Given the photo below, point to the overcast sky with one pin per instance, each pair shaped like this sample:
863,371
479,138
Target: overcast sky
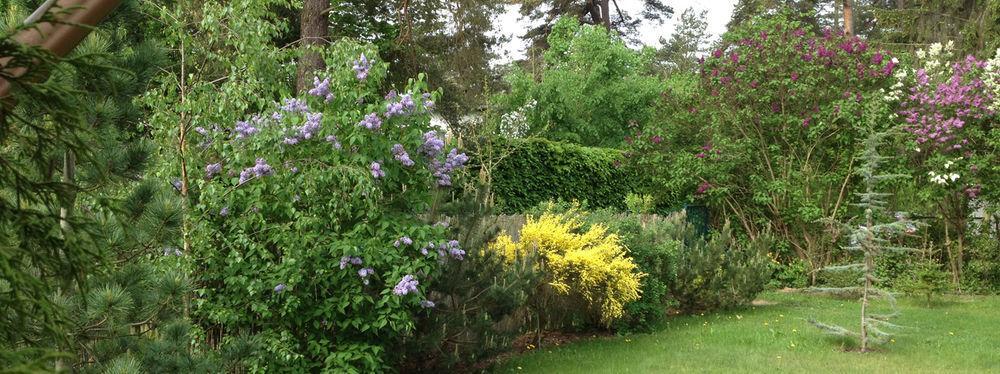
719,11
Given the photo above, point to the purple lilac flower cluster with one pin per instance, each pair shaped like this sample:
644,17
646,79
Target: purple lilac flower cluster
400,154
404,241
442,170
308,129
352,260
321,89
405,105
244,129
426,303
405,286
279,288
361,67
294,105
260,169
376,170
428,103
224,211
364,273
211,170
371,122
332,139
432,145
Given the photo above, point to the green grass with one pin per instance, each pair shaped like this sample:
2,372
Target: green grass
961,334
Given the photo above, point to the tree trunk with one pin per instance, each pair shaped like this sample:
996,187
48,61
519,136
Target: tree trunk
314,30
848,18
69,177
606,13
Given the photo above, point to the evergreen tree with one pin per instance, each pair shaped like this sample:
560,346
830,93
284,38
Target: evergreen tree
870,234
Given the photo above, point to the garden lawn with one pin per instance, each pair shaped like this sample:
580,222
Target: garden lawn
958,334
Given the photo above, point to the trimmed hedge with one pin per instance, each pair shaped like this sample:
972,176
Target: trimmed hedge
539,170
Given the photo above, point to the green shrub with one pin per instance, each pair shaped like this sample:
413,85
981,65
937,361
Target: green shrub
477,301
794,274
639,204
925,279
538,170
310,228
716,272
982,270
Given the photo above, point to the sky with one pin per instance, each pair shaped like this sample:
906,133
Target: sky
719,12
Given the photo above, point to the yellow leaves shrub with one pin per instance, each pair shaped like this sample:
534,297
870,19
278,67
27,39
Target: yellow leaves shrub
592,265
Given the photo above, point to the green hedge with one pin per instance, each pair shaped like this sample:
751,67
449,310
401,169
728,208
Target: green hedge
538,170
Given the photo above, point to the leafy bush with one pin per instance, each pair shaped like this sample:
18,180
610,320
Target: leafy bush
639,204
794,274
539,170
307,231
982,270
581,269
593,90
926,279
717,272
654,252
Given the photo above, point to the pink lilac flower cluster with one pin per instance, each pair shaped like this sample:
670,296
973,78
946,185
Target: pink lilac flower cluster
937,112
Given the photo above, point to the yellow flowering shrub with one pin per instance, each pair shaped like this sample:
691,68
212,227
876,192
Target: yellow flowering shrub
592,265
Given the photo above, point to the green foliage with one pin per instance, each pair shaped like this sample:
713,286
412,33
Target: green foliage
593,90
478,301
767,132
653,249
539,170
41,251
926,279
293,241
794,274
982,270
871,234
718,272
639,204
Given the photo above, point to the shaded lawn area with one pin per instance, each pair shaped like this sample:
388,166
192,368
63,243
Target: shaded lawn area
958,334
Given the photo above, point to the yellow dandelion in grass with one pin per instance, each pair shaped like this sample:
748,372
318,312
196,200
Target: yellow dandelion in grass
951,333
779,357
892,340
739,316
794,330
781,315
792,345
518,368
628,340
765,323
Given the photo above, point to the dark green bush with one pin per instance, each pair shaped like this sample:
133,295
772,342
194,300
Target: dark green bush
539,170
717,272
982,269
794,274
